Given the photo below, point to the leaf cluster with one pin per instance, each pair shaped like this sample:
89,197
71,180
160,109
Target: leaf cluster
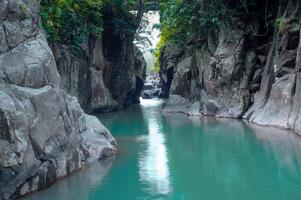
71,21
185,20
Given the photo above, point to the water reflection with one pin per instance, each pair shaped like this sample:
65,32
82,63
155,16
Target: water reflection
239,160
182,158
285,146
153,161
87,181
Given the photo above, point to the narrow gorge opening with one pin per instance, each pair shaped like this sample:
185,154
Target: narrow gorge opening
147,39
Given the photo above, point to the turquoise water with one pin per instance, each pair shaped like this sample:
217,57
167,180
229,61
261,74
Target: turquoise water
182,158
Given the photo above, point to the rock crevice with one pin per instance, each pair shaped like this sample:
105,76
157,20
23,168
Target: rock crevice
107,74
230,74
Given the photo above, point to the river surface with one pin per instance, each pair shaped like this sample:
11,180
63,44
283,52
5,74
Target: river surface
178,157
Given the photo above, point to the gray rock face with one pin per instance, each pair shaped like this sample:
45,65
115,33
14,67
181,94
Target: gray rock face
44,133
74,72
168,61
276,102
140,74
231,75
83,77
177,103
109,75
276,110
213,74
152,87
224,91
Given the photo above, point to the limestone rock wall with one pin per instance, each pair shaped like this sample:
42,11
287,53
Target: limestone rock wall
44,133
214,74
229,74
108,74
276,102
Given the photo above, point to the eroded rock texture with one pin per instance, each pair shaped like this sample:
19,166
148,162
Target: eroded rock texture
230,74
214,73
44,133
276,102
109,73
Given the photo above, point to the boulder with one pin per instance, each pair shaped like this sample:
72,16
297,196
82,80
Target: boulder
152,87
44,133
276,111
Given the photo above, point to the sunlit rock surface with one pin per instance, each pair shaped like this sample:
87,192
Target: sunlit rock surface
44,133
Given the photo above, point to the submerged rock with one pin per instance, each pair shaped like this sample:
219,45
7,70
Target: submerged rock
44,133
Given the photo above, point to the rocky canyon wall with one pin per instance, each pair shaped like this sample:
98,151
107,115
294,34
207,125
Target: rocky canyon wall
232,73
108,73
44,133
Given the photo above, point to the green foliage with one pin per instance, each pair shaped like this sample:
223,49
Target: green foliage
124,24
280,24
182,20
185,20
23,10
157,26
156,67
121,5
69,21
164,39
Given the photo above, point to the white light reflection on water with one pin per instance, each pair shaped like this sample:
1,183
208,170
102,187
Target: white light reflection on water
153,162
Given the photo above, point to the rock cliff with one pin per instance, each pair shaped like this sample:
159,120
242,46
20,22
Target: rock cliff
108,73
232,73
44,133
